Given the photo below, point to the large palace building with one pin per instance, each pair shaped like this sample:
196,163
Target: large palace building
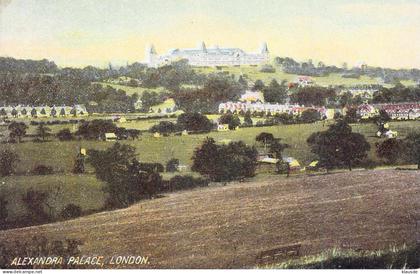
208,57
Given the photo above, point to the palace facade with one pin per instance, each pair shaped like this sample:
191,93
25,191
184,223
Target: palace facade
208,57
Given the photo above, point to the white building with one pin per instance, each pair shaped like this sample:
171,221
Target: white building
208,57
267,107
252,96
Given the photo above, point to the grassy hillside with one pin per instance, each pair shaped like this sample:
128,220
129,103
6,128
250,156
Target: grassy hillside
253,74
226,227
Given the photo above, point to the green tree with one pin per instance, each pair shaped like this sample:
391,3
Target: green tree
43,131
126,179
224,162
230,119
258,85
265,138
247,119
8,161
382,117
389,149
352,116
194,122
34,112
172,165
338,146
65,135
133,133
275,93
17,130
111,166
164,127
35,202
412,142
53,112
310,116
96,129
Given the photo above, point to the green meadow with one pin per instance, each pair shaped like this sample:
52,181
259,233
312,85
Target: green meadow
82,190
60,155
253,74
87,192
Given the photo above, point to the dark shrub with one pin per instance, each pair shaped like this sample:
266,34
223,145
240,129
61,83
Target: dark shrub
71,211
172,165
186,182
267,68
164,127
65,135
151,167
194,122
391,150
35,203
8,162
224,162
42,170
310,116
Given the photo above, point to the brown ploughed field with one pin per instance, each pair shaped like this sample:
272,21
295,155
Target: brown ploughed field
227,226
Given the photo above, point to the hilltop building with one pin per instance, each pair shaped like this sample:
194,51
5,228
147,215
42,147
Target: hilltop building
208,57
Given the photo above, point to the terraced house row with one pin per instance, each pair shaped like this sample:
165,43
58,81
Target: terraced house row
396,111
21,111
293,109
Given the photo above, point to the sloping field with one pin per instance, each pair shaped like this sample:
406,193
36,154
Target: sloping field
225,227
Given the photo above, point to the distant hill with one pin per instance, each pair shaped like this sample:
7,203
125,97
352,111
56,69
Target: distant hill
8,64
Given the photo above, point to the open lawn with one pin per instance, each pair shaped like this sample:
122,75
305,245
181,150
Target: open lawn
226,227
61,155
82,190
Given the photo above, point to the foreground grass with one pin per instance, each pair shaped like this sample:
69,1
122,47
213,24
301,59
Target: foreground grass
228,226
396,258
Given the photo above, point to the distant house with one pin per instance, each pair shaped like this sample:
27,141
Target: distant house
268,160
252,96
303,81
367,111
293,163
182,168
110,136
222,127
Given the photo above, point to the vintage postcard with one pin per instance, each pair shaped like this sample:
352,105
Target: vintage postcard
209,134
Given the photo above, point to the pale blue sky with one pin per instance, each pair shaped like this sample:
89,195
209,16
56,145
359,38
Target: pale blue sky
82,32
